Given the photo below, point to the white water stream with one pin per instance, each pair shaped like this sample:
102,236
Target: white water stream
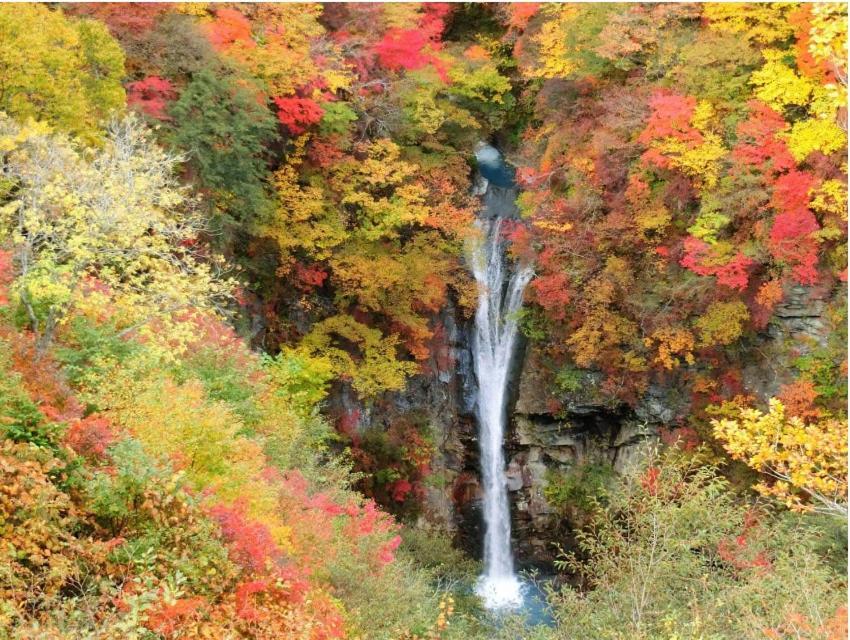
500,290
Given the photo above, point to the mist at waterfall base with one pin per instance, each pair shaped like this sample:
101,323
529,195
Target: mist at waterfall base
500,291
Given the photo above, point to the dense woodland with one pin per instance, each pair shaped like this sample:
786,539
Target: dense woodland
213,215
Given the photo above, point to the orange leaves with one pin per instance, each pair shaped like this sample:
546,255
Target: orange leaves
799,399
673,347
41,378
519,13
670,117
476,52
90,436
168,619
229,27
769,294
798,625
649,480
37,520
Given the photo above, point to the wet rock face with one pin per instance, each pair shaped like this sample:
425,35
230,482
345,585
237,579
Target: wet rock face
553,431
541,444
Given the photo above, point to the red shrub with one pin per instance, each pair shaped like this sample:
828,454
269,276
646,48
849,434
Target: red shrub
151,96
699,259
757,141
251,543
298,114
91,436
6,275
166,619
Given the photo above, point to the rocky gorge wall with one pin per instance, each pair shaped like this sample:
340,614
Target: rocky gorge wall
557,432
551,431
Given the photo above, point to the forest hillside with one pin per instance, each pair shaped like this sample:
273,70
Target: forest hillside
236,300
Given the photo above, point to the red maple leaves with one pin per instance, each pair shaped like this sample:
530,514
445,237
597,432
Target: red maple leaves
791,236
151,96
699,259
298,114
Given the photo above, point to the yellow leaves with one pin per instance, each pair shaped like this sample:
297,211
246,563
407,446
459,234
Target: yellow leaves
400,15
336,79
556,60
67,73
13,138
673,345
550,225
604,331
198,9
178,421
653,218
303,219
300,378
808,458
383,166
703,116
830,198
117,217
701,162
722,323
697,155
373,369
815,134
355,268
778,85
828,33
281,51
764,23
381,191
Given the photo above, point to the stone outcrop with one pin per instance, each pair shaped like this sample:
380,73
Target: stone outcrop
557,433
553,431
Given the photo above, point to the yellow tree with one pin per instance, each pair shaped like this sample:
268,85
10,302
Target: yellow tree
376,369
807,460
115,225
65,72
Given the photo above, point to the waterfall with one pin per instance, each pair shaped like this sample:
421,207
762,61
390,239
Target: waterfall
500,291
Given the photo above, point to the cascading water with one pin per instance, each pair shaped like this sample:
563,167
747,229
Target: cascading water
500,291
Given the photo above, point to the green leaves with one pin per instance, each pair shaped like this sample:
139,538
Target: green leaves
224,126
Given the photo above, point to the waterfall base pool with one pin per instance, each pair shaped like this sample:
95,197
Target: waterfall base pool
517,596
502,592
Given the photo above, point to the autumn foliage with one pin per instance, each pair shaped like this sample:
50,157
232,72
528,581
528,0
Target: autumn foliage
231,235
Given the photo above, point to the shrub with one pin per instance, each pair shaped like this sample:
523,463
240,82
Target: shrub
677,554
581,487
